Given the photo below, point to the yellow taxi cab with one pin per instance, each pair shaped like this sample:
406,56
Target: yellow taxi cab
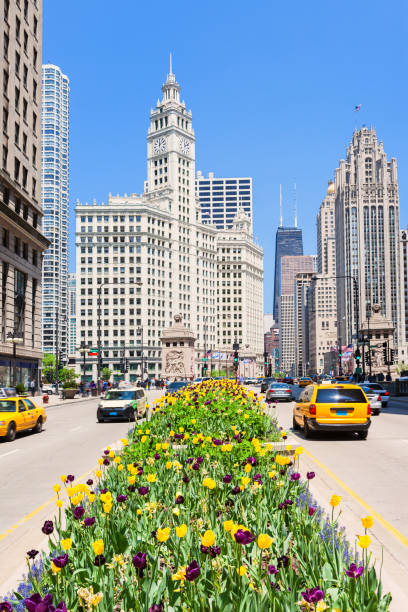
337,408
19,414
303,382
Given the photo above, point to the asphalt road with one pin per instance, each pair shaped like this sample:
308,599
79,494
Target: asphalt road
71,443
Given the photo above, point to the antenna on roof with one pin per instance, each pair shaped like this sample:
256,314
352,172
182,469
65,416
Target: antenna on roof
295,206
280,204
171,67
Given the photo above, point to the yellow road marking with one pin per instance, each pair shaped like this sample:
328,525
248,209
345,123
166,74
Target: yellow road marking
397,534
29,516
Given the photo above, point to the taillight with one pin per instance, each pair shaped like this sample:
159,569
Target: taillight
386,393
379,398
312,408
287,390
368,409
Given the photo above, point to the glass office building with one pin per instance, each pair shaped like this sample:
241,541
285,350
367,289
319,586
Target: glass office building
288,242
222,198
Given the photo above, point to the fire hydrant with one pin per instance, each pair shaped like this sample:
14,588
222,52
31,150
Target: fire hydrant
45,398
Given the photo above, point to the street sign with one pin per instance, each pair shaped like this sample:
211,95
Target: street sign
93,353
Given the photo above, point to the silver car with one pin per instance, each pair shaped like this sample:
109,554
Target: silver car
280,392
374,398
379,389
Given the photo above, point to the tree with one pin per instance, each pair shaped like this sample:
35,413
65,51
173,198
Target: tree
48,367
68,378
106,374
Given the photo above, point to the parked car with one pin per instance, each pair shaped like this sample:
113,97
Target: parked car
176,385
8,392
127,404
288,380
279,391
252,381
17,414
379,389
336,408
49,389
304,381
373,397
265,384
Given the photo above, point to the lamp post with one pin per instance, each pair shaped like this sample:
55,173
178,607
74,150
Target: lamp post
16,338
139,332
83,349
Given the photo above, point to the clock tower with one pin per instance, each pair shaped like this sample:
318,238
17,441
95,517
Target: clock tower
171,151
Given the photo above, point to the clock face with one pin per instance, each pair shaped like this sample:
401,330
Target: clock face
159,145
184,145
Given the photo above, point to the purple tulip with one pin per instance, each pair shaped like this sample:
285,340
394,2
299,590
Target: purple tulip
36,603
143,490
272,570
156,456
179,499
89,482
310,475
281,506
106,452
70,478
295,476
257,477
244,537
354,571
5,607
131,488
204,549
196,466
251,460
288,502
311,511
200,459
190,460
99,560
236,490
215,551
313,595
139,562
89,521
186,479
156,608
216,442
275,586
48,527
121,498
227,478
60,561
78,512
192,571
31,554
283,561
106,461
103,491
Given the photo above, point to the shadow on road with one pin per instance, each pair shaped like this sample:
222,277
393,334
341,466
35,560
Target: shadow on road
325,437
400,408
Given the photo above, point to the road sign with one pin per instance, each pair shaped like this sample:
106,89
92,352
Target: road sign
93,353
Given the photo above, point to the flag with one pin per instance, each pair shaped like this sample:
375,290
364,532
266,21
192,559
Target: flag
209,352
357,108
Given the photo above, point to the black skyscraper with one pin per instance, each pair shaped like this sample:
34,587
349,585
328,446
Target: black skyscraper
288,242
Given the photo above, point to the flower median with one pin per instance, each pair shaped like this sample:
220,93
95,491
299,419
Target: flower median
200,511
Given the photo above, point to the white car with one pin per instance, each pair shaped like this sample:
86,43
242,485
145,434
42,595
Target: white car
127,404
373,397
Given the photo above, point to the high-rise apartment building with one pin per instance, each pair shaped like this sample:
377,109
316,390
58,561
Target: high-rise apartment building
367,234
21,242
291,265
288,242
55,195
72,314
222,198
303,281
141,259
322,294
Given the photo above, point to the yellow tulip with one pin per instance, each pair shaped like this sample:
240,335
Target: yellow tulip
120,467
107,508
264,540
241,571
66,544
100,461
247,468
91,497
272,474
138,512
163,534
165,446
111,454
228,525
158,446
143,439
208,539
172,433
54,568
245,480
181,531
98,473
151,477
98,547
124,441
335,500
147,430
209,483
367,522
63,478
176,511
364,541
131,480
59,503
57,488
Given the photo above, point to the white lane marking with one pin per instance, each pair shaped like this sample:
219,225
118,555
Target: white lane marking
10,452
76,428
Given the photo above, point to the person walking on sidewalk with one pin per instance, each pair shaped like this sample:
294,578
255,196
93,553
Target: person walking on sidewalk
32,386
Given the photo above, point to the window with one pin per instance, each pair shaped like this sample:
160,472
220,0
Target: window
25,106
5,82
16,133
25,41
5,45
25,174
16,169
34,122
5,154
25,76
17,66
24,143
18,25
34,88
17,97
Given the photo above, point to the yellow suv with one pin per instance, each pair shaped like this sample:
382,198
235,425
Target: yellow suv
340,407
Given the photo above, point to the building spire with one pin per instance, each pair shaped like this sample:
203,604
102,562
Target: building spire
280,206
171,67
295,207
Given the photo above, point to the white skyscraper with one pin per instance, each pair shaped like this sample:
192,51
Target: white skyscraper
223,198
72,321
55,193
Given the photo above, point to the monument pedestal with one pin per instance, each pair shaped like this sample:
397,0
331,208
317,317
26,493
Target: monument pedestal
178,357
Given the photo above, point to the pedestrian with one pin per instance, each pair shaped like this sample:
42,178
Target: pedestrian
32,387
388,377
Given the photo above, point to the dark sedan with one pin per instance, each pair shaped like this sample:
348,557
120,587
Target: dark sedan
176,385
279,392
265,384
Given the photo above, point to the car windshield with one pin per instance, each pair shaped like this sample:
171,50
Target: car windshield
279,386
336,395
177,384
7,406
368,390
120,395
375,386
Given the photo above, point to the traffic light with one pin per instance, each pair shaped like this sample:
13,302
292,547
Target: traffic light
357,356
392,352
205,369
265,359
236,359
385,356
126,365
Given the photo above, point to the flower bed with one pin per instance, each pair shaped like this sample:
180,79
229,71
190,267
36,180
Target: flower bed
200,512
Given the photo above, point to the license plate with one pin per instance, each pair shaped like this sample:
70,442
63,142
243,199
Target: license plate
341,412
113,413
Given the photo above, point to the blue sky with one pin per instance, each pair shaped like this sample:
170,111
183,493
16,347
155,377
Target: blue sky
272,88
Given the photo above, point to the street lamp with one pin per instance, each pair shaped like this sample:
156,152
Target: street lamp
139,332
16,338
83,349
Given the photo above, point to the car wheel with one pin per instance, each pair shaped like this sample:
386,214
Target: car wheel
38,426
376,412
295,425
11,432
307,431
362,435
100,420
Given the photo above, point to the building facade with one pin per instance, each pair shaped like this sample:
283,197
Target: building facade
367,234
142,259
222,198
72,322
301,323
55,200
288,241
291,265
322,294
22,242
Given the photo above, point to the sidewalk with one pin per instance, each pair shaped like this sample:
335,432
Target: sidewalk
56,400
